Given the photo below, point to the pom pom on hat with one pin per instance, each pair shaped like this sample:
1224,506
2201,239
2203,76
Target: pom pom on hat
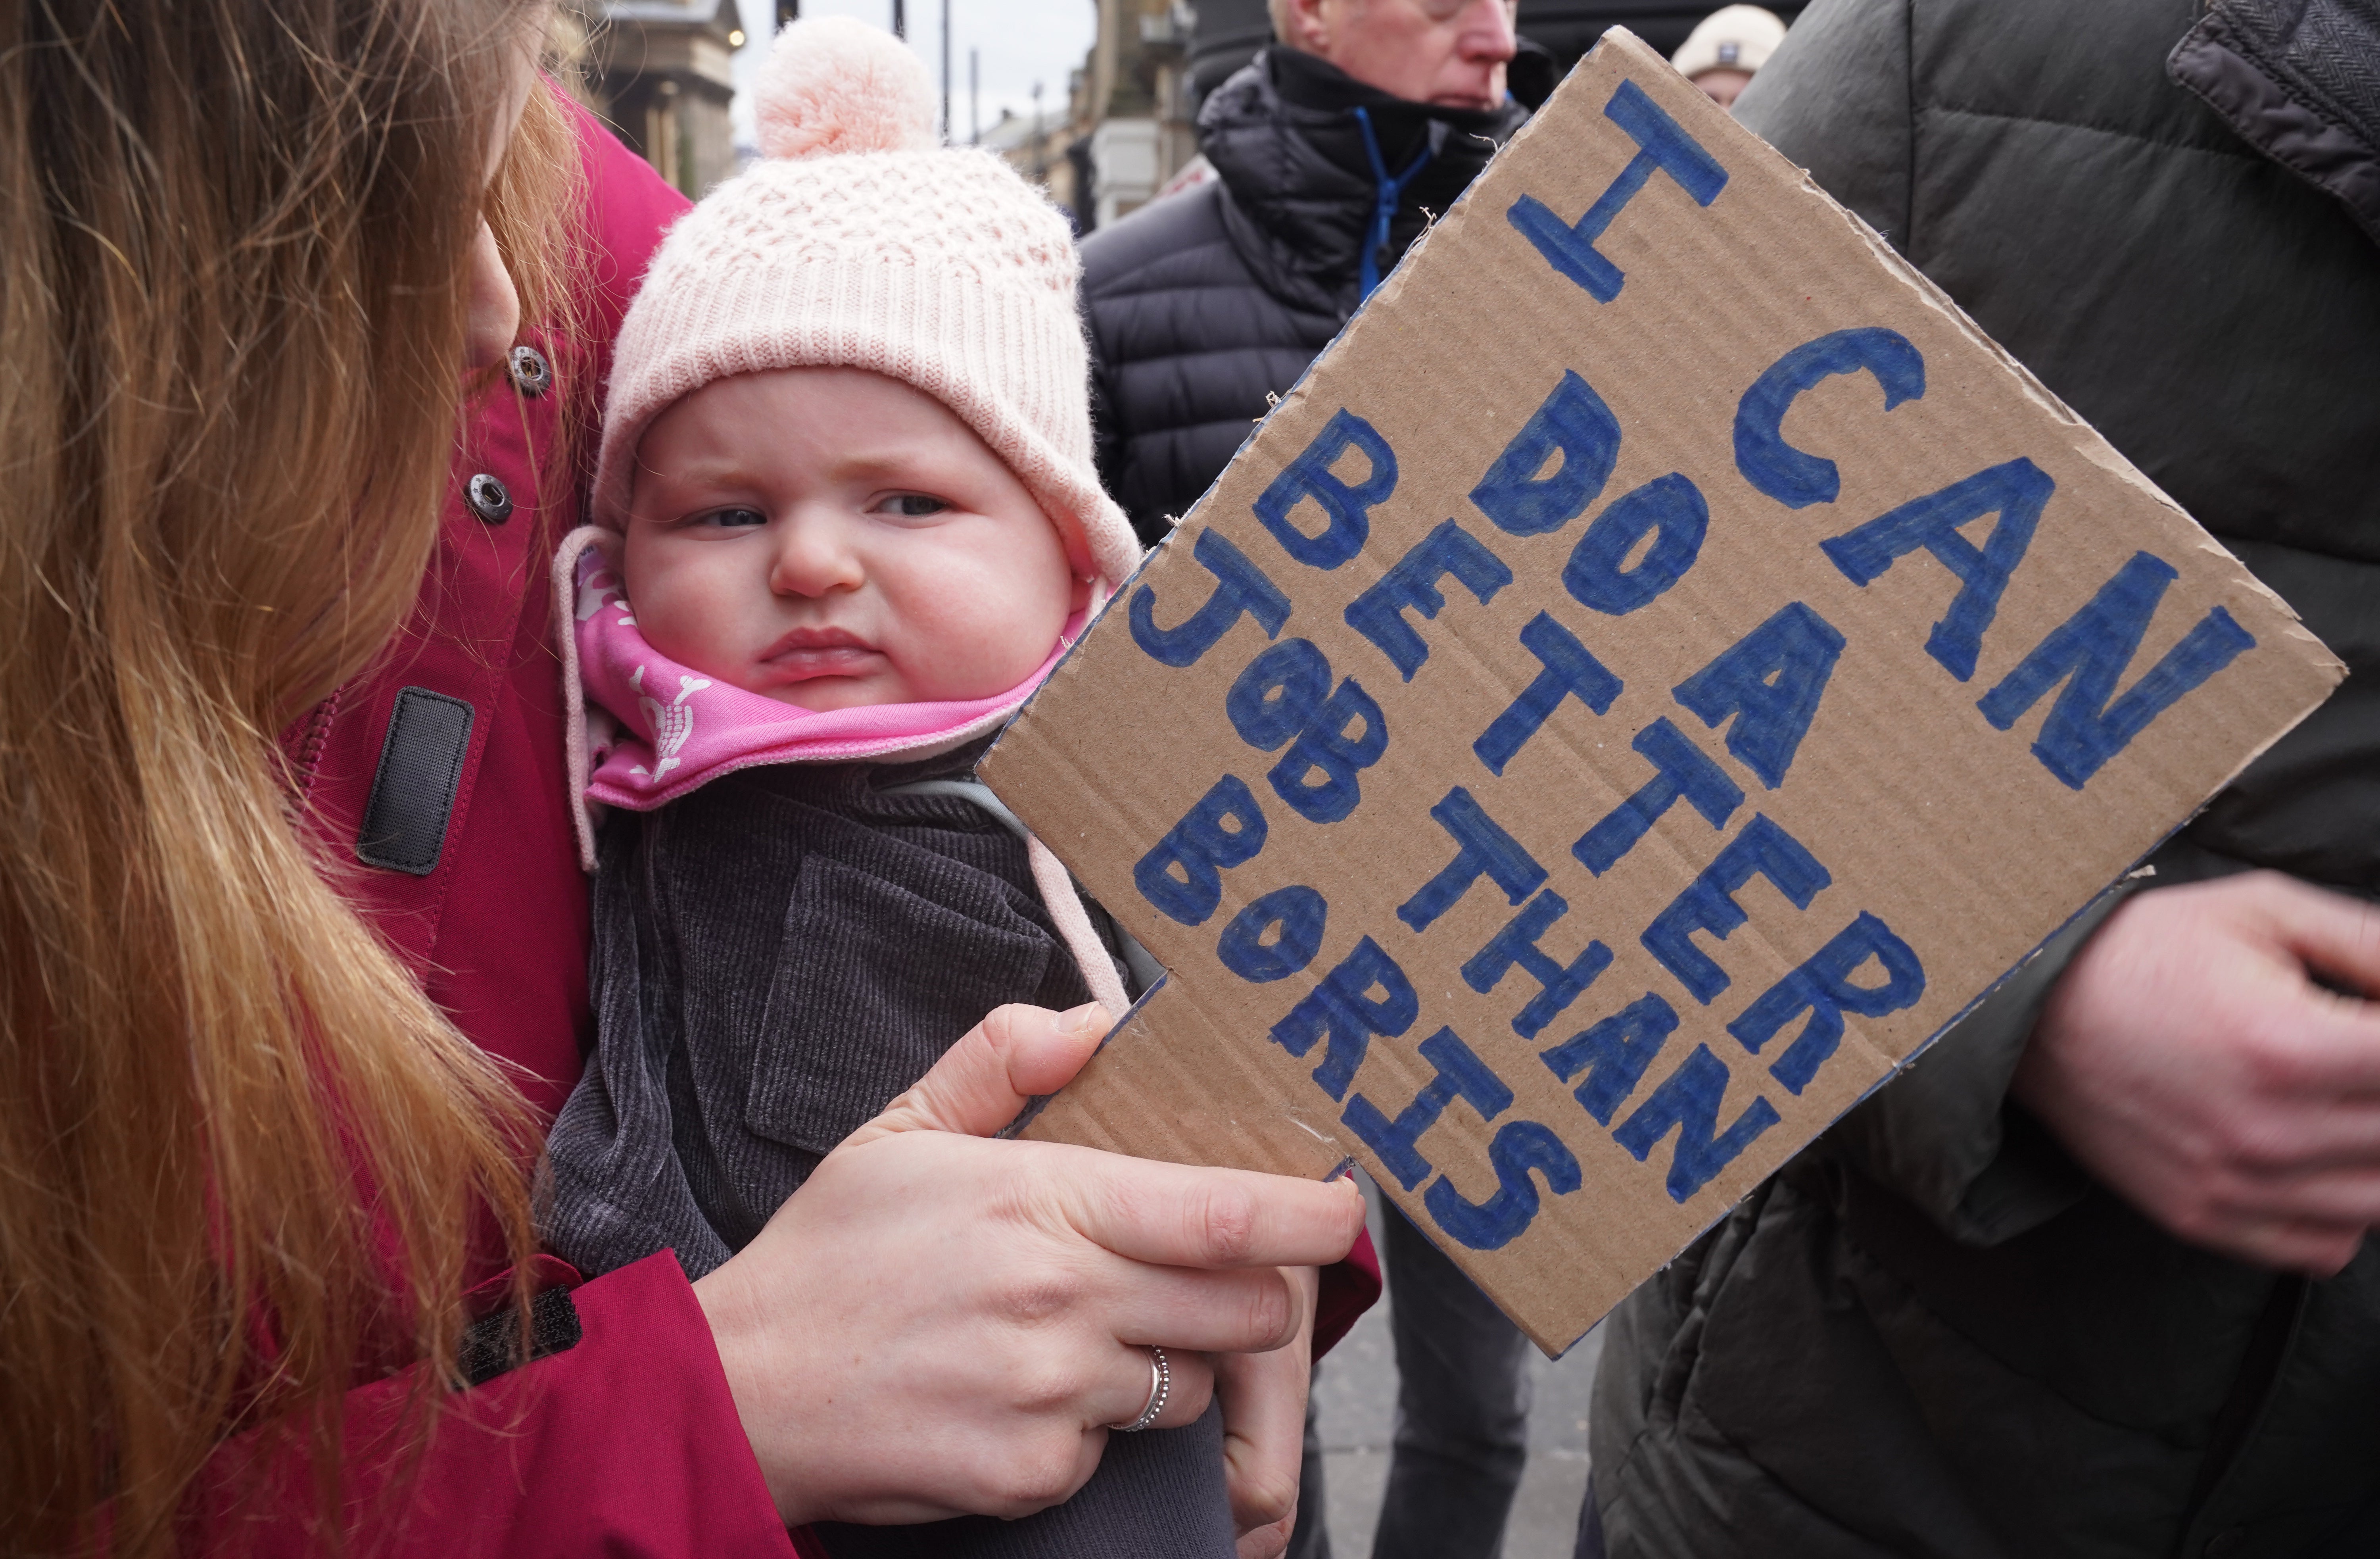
834,85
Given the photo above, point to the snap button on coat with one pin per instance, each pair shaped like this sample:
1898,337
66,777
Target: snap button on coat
531,374
488,499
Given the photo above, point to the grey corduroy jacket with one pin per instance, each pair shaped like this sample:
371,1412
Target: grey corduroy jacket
1933,1335
777,956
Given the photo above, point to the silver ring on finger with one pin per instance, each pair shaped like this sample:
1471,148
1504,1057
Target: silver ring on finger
1161,1386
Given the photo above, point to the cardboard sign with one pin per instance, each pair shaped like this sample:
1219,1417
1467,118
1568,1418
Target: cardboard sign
1660,667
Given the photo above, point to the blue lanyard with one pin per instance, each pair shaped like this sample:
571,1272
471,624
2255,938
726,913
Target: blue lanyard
1384,208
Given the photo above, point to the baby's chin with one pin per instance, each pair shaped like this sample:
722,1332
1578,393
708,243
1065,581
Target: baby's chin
828,695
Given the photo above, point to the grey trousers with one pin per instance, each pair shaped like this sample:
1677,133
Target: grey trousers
1463,1414
1590,1527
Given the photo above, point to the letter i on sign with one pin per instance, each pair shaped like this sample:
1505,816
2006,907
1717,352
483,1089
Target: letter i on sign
1662,145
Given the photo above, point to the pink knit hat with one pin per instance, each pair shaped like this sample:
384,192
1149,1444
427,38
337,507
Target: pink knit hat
858,241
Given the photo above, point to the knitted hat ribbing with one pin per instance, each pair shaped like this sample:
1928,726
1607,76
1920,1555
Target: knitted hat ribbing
856,241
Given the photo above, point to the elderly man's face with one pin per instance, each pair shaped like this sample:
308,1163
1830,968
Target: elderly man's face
1451,53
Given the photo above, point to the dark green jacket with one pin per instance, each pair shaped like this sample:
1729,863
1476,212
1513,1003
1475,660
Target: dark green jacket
1933,1335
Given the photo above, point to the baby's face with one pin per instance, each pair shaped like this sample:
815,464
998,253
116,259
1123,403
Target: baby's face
835,539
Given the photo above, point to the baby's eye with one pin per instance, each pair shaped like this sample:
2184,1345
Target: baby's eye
732,519
912,506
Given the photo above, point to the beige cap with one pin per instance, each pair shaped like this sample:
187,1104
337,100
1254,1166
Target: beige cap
1737,38
857,240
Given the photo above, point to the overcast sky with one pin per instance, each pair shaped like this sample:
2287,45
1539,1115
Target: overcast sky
1020,42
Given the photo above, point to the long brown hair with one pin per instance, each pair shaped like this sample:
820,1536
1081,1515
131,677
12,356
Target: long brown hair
243,1160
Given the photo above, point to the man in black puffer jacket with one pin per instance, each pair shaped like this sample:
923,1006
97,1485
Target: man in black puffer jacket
1206,304
1332,155
2094,1277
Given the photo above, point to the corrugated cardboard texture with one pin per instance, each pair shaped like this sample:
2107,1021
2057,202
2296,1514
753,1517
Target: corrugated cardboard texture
1935,827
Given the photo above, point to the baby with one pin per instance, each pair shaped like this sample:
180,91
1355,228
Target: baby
847,521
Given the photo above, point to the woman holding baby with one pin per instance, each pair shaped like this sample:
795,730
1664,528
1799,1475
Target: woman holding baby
294,940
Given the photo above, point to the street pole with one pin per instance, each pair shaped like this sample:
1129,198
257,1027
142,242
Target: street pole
1040,153
900,19
947,137
975,97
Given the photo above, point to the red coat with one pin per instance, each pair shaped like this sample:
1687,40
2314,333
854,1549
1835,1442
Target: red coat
628,1443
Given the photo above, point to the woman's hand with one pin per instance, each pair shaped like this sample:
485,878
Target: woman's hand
937,1324
2187,1059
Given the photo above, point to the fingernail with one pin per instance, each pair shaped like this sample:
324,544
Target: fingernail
1084,1020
